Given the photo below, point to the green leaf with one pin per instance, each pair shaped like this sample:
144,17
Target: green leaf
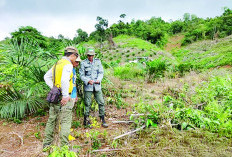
184,125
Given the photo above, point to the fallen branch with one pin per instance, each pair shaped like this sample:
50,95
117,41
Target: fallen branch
20,137
122,121
109,150
140,114
131,132
174,124
3,150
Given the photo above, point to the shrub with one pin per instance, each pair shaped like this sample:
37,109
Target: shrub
184,67
214,113
156,68
129,71
115,63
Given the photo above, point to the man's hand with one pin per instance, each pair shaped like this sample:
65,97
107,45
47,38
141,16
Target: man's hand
97,82
91,82
64,100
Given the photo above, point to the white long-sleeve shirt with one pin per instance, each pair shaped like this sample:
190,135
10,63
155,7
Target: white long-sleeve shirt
67,70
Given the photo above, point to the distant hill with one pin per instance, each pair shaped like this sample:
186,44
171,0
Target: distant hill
128,48
201,54
206,53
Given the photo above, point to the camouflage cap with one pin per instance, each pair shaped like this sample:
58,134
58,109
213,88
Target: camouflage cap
90,51
71,49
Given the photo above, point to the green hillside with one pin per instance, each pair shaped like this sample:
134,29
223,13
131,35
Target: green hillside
206,54
128,48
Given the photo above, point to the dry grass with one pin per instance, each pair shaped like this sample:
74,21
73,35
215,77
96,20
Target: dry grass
162,142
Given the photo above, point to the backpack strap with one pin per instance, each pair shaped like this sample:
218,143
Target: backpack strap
54,74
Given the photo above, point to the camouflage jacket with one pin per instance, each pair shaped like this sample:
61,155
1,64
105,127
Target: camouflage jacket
91,71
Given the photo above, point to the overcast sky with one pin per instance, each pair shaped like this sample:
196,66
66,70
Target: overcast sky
54,17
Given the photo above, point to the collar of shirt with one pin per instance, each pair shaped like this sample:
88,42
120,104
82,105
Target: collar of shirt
66,59
90,62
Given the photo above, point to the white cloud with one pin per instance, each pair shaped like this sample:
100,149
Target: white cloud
67,26
64,17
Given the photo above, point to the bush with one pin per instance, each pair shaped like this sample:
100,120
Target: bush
130,71
156,68
184,67
209,107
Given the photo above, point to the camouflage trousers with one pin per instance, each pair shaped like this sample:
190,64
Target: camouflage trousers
60,118
99,99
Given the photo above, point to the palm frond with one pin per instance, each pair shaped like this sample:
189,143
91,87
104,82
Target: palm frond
36,73
21,51
15,104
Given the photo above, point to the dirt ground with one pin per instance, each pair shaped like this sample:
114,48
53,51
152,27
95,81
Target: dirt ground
174,42
25,139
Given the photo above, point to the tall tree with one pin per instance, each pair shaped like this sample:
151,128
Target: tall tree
122,16
101,27
186,17
81,36
60,36
29,33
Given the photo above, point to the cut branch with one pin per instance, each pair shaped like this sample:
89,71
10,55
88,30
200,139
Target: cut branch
109,150
122,121
20,137
131,132
140,114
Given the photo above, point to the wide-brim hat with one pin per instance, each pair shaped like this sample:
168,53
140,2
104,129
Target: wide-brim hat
71,49
90,51
78,59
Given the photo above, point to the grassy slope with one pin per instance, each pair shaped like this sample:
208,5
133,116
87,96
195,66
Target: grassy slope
206,54
128,48
202,54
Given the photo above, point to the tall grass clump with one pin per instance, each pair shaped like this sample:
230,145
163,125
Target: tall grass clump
130,71
156,68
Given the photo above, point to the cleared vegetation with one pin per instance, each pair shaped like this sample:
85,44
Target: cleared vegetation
174,101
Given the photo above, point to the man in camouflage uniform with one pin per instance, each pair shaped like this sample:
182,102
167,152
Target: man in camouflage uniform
91,73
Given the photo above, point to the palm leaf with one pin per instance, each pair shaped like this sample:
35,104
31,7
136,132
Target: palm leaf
16,104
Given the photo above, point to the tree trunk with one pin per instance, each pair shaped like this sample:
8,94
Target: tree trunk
110,41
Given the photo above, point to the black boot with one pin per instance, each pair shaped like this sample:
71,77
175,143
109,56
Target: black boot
103,122
87,123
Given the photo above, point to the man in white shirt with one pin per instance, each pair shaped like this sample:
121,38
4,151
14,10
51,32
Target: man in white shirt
61,75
